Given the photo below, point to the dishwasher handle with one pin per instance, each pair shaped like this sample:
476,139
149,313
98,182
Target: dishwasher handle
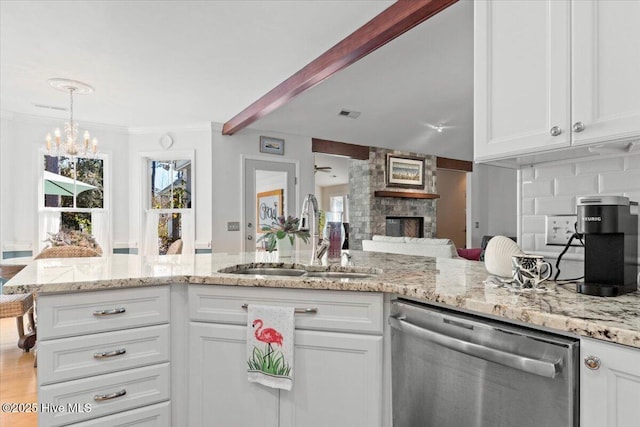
526,364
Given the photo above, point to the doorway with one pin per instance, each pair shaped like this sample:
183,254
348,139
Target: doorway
451,211
269,192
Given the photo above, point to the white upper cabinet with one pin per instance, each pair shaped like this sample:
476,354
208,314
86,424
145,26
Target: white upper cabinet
606,70
554,74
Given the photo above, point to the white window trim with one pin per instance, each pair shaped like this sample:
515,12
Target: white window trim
145,201
106,180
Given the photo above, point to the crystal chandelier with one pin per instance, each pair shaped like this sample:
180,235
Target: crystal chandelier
70,147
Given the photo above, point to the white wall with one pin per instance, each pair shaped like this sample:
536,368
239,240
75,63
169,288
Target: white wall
147,140
493,202
552,188
226,175
21,138
217,164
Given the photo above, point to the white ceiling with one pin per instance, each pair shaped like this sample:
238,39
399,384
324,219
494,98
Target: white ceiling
158,63
423,77
339,173
172,63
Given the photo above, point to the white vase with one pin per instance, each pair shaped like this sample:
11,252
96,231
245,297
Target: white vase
285,247
497,256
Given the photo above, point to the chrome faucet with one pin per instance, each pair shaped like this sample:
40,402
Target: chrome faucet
310,209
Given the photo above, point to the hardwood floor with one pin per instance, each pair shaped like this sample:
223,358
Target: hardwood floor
18,382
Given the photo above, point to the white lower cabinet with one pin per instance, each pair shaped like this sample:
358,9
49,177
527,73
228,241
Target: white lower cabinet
219,393
337,375
149,416
104,358
609,384
337,381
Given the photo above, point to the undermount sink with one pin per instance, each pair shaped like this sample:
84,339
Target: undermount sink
299,272
338,274
271,271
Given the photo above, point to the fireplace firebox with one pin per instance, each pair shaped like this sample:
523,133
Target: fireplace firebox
405,226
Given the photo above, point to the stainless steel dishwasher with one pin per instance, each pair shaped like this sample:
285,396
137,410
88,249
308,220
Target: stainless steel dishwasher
455,370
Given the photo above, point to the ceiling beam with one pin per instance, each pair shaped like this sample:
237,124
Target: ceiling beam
454,164
359,152
384,27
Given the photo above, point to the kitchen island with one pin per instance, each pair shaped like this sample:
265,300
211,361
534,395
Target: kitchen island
455,283
164,338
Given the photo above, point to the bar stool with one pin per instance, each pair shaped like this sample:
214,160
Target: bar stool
18,306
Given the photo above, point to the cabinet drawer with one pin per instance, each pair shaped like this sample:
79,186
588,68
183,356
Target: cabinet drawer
77,357
65,315
135,387
336,310
150,416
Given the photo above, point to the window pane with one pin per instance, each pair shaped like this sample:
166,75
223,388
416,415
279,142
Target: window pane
80,221
64,178
58,182
182,184
337,203
89,183
169,230
170,184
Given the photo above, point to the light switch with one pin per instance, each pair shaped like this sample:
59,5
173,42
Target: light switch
233,226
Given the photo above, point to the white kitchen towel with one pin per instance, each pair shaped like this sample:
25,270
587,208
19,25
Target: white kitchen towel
270,332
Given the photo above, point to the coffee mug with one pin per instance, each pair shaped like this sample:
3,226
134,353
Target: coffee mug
530,270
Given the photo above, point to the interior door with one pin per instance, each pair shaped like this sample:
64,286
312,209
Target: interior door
451,214
269,191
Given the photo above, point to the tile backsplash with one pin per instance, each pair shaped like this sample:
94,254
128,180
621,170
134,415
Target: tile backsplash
552,189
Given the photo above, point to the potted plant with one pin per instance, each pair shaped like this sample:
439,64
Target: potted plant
281,234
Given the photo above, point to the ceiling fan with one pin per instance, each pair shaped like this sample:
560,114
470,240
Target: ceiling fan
317,168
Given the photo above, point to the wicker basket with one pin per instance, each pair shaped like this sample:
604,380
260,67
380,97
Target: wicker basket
68,252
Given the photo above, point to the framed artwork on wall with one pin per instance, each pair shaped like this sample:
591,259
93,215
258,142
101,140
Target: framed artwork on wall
269,207
271,145
404,171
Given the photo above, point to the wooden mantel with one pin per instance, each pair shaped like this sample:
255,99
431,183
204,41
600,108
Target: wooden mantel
406,194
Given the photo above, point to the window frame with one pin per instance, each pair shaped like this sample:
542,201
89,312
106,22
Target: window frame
145,189
106,201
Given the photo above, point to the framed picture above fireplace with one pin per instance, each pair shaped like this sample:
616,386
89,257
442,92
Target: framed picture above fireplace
404,171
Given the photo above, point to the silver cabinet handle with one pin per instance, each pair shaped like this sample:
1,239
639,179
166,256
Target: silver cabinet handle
107,354
526,364
310,310
592,362
114,395
109,312
555,131
578,127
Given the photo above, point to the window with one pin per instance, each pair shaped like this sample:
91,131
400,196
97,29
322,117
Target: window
169,201
72,197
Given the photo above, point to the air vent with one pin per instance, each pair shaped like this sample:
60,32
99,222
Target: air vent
350,114
50,107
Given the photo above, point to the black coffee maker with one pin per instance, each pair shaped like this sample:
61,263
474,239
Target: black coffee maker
610,245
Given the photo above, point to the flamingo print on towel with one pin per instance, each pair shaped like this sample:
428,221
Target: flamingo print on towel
270,345
269,361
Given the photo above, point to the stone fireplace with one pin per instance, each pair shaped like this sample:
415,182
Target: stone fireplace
368,213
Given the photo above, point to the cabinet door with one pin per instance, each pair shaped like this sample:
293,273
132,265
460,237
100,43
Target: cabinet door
606,70
337,381
610,394
219,393
521,77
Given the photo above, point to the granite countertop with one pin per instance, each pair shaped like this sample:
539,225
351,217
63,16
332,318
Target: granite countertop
455,283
